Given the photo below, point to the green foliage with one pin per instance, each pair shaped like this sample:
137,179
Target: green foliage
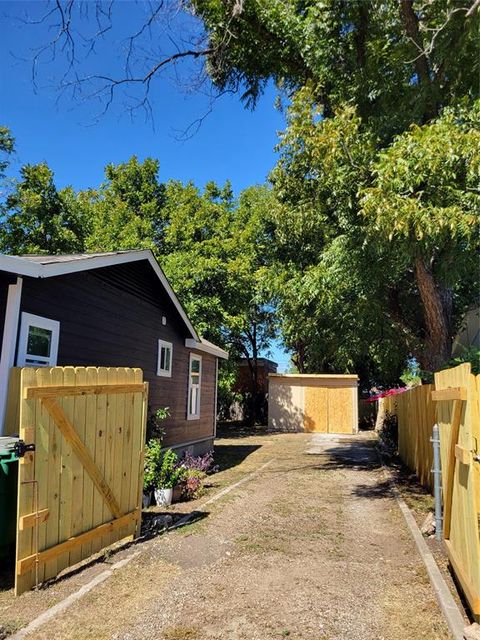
40,219
375,241
425,192
364,52
7,146
354,219
155,428
412,376
153,456
471,355
160,470
212,248
215,251
167,474
127,209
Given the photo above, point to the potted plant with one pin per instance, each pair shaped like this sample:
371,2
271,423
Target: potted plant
167,475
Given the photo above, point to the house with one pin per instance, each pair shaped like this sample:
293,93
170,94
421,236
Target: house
110,309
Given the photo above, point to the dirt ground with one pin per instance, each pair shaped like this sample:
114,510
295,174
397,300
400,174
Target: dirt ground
313,547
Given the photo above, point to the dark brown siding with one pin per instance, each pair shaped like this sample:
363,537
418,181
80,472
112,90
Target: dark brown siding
113,317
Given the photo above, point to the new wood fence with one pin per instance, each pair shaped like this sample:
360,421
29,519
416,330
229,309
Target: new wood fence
458,417
80,490
454,403
415,411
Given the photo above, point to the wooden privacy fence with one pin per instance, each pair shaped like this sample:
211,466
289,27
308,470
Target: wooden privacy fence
81,489
415,411
457,399
454,403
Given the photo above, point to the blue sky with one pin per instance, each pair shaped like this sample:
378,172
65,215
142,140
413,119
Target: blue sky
232,143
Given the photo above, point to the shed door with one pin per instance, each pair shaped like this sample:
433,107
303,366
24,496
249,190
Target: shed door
329,409
316,410
340,410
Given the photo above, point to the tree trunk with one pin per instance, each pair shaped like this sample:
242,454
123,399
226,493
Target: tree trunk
420,62
436,311
298,357
255,380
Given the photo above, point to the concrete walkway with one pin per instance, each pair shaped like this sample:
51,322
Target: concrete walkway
313,547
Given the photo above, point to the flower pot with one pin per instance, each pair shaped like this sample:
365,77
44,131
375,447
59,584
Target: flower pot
146,499
163,496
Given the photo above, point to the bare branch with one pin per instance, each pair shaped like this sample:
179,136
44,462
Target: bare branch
79,28
475,6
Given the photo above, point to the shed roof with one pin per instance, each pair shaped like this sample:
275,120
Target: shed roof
347,376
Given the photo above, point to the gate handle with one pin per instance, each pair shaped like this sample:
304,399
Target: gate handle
20,448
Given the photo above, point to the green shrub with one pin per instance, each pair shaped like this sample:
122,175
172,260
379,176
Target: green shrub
389,432
160,467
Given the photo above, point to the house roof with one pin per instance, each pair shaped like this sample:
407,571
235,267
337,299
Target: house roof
207,347
260,361
47,266
43,259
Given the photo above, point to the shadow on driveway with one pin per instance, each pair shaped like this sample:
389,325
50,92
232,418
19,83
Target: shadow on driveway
231,455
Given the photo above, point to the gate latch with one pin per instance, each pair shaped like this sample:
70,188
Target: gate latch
20,448
476,455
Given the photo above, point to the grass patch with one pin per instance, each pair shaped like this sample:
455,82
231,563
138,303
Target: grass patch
190,529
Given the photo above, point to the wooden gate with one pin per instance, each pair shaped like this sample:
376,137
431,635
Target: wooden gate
81,489
457,397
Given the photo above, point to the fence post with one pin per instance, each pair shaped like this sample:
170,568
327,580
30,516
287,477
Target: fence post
437,474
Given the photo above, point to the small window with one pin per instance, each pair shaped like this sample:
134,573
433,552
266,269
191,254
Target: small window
194,384
38,342
164,365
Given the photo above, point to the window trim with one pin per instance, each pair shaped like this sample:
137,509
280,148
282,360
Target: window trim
164,373
30,320
194,416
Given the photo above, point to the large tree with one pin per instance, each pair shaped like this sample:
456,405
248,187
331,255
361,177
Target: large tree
359,74
425,197
398,61
378,246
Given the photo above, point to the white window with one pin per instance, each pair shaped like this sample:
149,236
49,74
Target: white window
164,364
38,341
194,384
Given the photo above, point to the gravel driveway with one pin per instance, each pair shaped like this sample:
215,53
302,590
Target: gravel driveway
313,547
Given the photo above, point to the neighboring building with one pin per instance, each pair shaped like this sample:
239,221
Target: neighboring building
244,382
468,335
253,407
114,310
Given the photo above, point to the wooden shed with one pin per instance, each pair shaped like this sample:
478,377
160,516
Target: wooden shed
321,403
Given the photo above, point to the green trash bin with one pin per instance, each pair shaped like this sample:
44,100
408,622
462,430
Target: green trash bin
8,494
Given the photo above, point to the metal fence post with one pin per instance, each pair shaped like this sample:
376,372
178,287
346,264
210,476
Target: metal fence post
437,474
